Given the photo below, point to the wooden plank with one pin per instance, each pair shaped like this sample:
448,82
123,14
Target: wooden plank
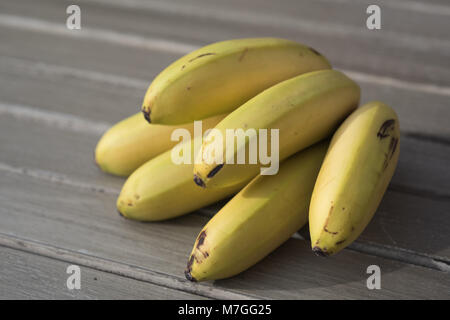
346,13
30,276
84,223
427,159
85,54
400,220
102,101
86,197
25,83
349,45
107,92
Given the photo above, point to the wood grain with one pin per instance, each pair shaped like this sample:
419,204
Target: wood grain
27,81
338,29
30,276
60,89
402,220
85,223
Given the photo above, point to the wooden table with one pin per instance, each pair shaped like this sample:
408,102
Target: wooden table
60,89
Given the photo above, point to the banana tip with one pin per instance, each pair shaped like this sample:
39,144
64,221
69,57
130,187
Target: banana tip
188,276
147,113
319,252
120,214
95,160
198,181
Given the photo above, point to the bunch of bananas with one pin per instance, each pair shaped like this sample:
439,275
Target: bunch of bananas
336,159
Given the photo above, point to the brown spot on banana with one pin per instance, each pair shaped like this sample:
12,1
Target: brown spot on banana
315,51
188,276
393,146
320,252
201,239
214,171
198,181
326,222
326,230
202,55
241,57
391,150
187,271
146,111
383,132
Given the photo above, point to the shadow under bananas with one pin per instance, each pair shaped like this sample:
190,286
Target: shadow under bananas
293,271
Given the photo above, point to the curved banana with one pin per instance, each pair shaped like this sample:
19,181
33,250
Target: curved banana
305,109
219,77
132,142
356,171
161,189
257,220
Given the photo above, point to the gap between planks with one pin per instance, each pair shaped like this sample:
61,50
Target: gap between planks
383,251
120,269
260,19
176,47
166,7
408,5
77,124
63,121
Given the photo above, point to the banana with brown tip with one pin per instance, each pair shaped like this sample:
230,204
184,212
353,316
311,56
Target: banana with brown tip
354,176
257,220
220,77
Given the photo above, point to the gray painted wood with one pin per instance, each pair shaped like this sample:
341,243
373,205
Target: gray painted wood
86,223
54,195
30,276
106,103
403,219
28,82
403,44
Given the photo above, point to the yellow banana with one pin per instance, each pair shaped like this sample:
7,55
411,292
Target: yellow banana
132,142
257,220
356,171
305,109
219,77
161,189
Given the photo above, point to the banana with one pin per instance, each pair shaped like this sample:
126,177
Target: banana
219,77
354,176
132,142
161,189
305,109
257,220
